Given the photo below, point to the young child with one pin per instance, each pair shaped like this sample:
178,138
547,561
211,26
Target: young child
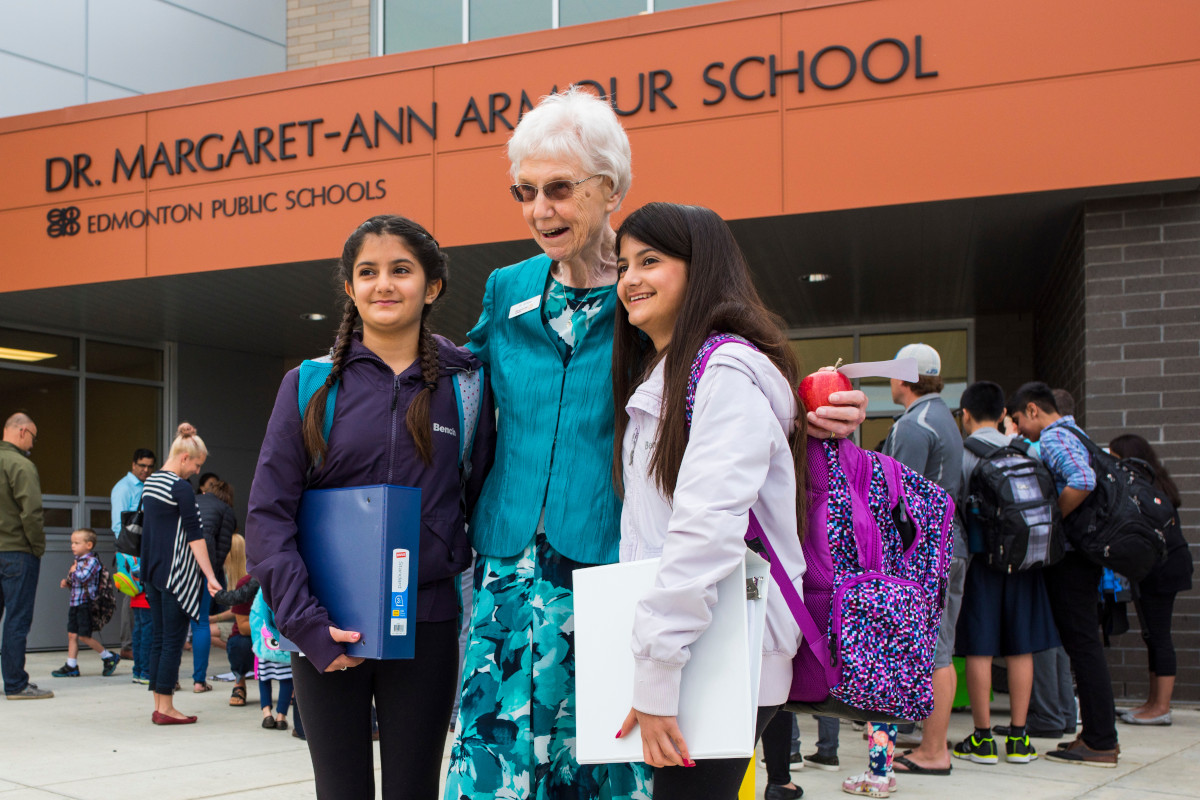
271,663
139,607
690,482
83,579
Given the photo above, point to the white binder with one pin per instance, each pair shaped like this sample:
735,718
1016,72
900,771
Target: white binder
718,694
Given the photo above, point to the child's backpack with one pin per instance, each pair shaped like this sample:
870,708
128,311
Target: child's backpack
264,636
1013,502
1122,524
877,554
104,604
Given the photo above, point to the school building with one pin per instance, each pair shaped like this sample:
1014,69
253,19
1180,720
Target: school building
1016,183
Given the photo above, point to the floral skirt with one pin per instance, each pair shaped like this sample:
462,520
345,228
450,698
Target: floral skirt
515,738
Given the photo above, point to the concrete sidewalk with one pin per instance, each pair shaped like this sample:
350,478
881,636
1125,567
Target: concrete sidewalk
94,739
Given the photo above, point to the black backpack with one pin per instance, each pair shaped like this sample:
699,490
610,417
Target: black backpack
104,604
1011,497
1122,524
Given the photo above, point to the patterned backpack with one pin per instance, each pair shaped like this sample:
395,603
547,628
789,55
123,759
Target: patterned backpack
104,604
877,554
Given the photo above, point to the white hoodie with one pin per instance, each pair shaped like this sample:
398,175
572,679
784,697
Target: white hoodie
737,458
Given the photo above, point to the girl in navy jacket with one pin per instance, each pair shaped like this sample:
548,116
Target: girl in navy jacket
395,421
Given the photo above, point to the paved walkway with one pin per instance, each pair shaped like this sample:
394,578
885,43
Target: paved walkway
95,740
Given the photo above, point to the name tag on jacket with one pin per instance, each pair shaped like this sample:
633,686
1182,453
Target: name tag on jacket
525,306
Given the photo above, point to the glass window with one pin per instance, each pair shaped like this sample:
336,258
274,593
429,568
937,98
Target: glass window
417,24
100,519
577,12
817,353
874,431
124,361
503,17
667,5
42,349
50,401
62,519
951,346
119,418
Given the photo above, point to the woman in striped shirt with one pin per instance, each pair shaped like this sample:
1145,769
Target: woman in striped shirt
174,558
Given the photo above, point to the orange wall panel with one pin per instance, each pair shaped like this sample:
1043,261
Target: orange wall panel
23,158
1089,130
471,199
310,229
34,260
733,166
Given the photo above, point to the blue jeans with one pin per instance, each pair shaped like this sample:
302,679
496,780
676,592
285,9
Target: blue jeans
168,624
241,656
143,633
285,695
828,729
201,639
18,587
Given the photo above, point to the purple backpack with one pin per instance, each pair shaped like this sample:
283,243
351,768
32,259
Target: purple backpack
877,556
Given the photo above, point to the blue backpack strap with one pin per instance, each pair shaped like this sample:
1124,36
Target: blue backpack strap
468,396
313,374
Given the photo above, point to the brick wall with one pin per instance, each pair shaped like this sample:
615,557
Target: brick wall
1004,349
327,31
1142,365
1059,322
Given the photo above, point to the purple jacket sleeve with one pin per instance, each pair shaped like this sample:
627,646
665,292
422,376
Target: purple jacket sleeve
272,556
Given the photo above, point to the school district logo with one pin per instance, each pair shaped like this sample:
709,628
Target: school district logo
63,222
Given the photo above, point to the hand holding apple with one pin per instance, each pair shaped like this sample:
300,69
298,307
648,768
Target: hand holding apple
834,407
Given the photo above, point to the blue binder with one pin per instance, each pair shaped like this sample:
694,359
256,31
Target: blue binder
361,545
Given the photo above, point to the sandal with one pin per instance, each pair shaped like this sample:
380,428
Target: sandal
201,688
238,697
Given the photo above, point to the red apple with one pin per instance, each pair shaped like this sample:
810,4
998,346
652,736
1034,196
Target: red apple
815,388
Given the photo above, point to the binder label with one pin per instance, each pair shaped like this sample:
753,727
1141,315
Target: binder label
399,616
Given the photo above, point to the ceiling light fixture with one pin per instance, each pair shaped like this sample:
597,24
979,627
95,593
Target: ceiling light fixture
814,277
313,316
11,354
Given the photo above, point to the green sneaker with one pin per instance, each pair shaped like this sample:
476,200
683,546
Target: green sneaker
981,751
1019,750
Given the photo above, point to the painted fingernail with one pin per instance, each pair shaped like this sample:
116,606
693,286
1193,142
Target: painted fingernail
619,734
689,763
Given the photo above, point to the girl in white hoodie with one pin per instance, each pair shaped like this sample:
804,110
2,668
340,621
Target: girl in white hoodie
688,490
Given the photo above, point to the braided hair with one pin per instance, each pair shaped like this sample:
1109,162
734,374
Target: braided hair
435,266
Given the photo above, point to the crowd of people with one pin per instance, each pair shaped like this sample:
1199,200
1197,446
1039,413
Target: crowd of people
601,438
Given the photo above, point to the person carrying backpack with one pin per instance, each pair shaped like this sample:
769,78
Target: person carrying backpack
695,470
1009,505
1072,583
387,412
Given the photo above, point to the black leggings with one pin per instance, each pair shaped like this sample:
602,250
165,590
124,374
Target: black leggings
1156,632
712,778
413,698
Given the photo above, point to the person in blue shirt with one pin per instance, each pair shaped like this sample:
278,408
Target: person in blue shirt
1072,582
126,496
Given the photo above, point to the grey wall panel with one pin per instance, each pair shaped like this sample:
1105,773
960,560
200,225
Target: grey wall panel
175,48
266,18
98,90
50,31
228,396
27,86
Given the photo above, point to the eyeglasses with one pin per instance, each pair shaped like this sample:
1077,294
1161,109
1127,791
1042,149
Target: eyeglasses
139,465
554,191
32,434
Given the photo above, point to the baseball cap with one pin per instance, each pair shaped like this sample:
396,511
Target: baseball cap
928,360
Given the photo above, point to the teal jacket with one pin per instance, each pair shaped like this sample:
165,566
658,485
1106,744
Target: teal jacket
555,429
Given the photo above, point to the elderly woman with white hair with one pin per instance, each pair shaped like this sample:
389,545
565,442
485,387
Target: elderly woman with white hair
548,506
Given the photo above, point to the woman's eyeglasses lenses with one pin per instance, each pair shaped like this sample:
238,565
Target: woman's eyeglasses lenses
554,191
